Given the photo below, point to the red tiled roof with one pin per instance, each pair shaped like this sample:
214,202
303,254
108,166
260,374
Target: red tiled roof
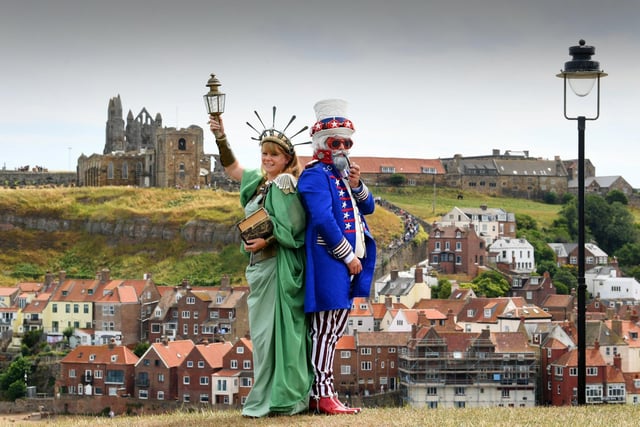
214,352
7,292
101,354
227,373
173,352
30,286
346,342
401,165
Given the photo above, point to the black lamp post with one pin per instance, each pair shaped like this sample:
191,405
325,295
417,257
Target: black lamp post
581,73
214,99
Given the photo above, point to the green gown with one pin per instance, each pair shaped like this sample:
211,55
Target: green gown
281,367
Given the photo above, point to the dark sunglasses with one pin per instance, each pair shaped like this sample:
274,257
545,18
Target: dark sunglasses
335,143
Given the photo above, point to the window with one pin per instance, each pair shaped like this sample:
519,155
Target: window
186,398
204,398
160,378
85,309
592,371
125,170
54,308
505,393
345,369
458,246
160,395
234,364
186,314
116,377
240,350
365,366
72,373
245,382
200,364
345,354
186,380
204,380
143,394
573,372
221,385
365,351
246,364
191,300
432,391
459,391
189,363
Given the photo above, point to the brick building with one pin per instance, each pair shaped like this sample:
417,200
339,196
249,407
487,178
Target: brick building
456,250
156,372
97,370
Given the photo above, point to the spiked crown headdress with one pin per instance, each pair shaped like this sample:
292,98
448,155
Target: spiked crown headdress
277,136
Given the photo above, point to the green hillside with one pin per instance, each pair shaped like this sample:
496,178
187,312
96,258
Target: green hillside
27,253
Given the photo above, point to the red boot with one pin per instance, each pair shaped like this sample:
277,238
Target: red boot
329,406
347,408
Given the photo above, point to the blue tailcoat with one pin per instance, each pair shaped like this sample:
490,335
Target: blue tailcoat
329,221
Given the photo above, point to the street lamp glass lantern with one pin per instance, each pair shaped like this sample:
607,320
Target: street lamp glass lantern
214,99
581,72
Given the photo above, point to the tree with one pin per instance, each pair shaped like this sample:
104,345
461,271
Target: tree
442,290
491,284
629,254
12,381
141,348
616,196
565,279
397,179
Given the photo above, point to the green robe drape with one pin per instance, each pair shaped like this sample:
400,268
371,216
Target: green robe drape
281,367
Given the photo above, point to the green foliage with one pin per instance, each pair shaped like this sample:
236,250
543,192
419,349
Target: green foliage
27,270
616,196
141,348
68,332
565,279
397,179
31,341
442,290
490,284
551,197
12,380
525,222
610,225
629,254
16,390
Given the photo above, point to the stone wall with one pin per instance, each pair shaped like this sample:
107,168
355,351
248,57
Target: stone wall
28,178
140,229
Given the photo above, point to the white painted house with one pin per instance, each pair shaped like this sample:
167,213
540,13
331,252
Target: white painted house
518,253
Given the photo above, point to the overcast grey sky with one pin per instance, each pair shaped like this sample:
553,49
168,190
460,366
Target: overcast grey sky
423,78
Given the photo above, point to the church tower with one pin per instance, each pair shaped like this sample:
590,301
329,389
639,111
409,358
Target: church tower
114,140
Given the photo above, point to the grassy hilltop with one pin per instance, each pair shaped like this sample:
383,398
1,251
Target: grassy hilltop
28,253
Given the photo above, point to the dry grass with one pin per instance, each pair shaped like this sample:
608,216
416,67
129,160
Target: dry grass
586,416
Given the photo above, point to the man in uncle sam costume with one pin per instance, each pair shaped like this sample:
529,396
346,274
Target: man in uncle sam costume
341,253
